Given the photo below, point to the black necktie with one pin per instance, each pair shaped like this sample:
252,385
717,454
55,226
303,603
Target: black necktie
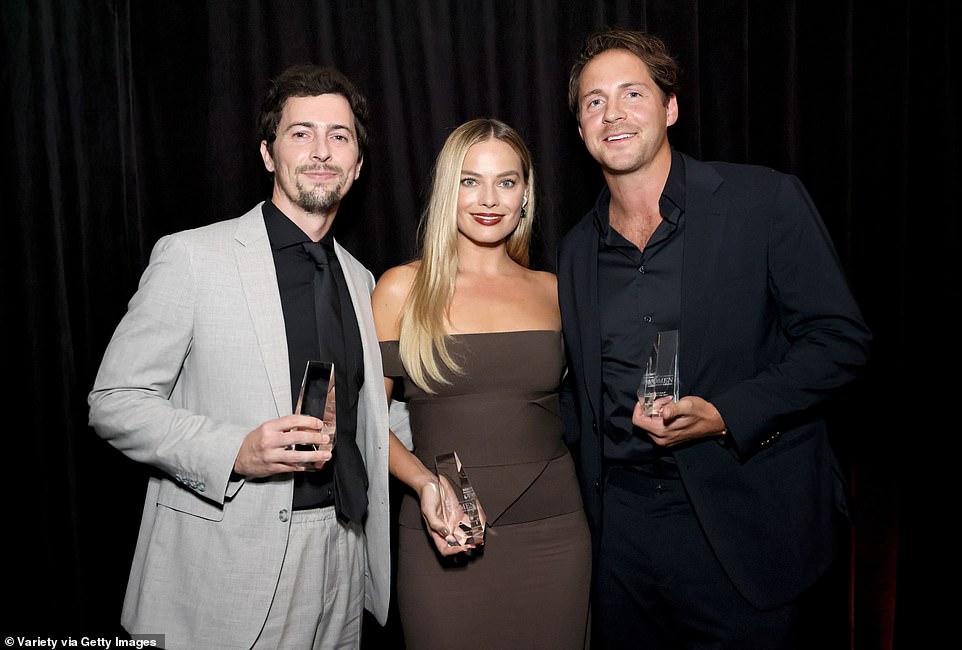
350,479
327,303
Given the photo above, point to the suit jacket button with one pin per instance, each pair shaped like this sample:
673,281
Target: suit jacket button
284,515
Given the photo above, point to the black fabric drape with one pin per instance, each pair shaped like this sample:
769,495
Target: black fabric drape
125,120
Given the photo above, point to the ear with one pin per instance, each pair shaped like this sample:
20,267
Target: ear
357,167
581,133
672,110
524,202
266,157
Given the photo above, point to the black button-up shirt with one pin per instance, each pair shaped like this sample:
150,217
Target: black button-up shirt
640,295
295,276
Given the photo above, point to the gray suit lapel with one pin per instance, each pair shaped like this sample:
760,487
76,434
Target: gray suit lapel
355,276
255,264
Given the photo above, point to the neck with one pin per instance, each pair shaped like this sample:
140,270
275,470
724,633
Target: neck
635,209
314,225
640,191
483,260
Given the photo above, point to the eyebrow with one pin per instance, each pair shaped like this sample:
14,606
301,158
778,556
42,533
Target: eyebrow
318,126
468,172
621,86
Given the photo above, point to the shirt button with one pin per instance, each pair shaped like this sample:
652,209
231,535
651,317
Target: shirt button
659,489
642,269
648,319
283,515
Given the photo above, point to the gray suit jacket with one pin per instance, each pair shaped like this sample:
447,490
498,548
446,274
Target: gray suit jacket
198,361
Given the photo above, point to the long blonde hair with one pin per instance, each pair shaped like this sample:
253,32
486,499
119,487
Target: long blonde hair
423,339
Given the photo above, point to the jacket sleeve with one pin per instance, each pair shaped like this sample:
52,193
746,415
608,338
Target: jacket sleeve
130,404
823,339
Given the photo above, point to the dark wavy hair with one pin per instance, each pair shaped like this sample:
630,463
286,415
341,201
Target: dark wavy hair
309,81
648,48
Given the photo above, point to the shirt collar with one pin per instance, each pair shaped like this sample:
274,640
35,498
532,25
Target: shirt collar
671,204
284,233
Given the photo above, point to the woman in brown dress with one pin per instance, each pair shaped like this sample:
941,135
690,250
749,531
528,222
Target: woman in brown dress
474,337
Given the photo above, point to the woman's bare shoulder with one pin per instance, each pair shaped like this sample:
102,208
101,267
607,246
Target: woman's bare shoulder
545,280
390,294
398,279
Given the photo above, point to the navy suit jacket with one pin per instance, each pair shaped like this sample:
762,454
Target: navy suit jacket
769,330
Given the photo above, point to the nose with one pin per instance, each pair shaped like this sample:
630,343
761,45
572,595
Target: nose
489,196
321,151
613,111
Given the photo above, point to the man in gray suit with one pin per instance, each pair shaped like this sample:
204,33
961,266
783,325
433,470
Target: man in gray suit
247,541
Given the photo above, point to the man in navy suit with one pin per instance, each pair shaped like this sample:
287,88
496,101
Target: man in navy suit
714,515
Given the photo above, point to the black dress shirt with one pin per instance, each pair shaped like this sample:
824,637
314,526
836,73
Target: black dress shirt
640,295
295,275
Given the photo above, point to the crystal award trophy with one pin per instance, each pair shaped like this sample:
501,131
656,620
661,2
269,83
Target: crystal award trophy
317,399
456,491
661,372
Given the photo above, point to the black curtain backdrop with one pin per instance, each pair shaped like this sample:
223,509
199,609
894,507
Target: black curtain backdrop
124,120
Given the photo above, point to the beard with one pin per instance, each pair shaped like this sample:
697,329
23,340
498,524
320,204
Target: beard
318,200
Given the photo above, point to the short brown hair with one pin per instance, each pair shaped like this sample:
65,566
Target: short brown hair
310,81
650,49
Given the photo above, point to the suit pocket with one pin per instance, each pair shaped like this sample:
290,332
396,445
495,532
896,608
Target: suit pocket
183,500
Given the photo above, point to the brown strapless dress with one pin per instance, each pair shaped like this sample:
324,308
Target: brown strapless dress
528,586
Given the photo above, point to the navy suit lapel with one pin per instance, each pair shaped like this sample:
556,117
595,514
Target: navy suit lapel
589,333
705,215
